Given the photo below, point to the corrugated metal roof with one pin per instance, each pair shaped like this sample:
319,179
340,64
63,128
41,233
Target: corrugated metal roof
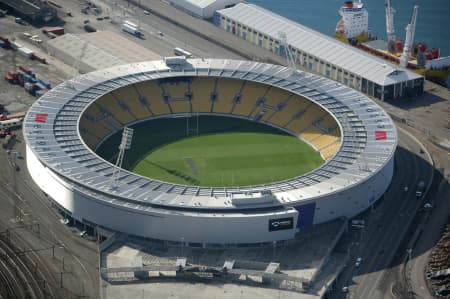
200,3
319,45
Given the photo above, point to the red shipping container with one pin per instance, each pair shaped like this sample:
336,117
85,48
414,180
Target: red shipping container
25,69
54,30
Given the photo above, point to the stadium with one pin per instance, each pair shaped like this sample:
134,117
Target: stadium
348,158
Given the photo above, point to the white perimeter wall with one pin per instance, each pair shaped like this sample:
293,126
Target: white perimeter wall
353,201
160,224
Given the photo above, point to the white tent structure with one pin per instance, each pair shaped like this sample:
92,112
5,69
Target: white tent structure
203,8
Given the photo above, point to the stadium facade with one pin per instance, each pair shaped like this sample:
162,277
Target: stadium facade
354,135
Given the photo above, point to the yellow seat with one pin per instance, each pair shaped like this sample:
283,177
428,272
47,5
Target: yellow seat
180,106
329,151
226,91
282,117
311,133
109,102
176,90
249,97
201,89
273,97
130,97
154,95
325,140
93,119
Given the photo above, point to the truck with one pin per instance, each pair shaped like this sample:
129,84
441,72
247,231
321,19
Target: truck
131,29
420,188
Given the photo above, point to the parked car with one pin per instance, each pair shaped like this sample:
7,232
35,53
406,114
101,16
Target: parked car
20,21
427,206
358,262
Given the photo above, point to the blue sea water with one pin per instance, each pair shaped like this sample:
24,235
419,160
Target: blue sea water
433,21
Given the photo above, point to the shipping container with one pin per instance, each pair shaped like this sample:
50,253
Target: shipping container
25,69
45,83
38,58
54,30
40,86
27,78
25,52
9,78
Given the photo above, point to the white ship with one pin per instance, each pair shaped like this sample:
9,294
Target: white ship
354,24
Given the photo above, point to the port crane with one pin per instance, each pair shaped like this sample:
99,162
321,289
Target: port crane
409,39
389,21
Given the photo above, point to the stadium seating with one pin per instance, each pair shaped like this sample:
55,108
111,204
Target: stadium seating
283,112
274,96
118,110
311,133
153,93
93,121
324,141
182,106
201,89
291,116
329,151
226,91
130,96
249,96
270,104
175,89
312,113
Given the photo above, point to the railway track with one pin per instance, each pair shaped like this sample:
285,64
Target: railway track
22,274
18,279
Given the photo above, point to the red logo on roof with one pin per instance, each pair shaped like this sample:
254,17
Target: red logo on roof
380,135
41,117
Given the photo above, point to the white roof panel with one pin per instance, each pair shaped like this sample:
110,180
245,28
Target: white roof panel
319,45
66,154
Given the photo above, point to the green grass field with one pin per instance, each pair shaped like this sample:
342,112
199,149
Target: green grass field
226,152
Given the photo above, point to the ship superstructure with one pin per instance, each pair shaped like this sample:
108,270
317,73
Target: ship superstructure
354,22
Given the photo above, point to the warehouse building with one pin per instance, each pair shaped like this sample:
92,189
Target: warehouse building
203,8
98,50
319,53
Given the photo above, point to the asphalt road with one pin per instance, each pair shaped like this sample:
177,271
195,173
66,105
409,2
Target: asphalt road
429,225
75,265
386,223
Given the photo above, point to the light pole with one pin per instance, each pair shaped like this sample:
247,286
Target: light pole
409,251
408,268
14,168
